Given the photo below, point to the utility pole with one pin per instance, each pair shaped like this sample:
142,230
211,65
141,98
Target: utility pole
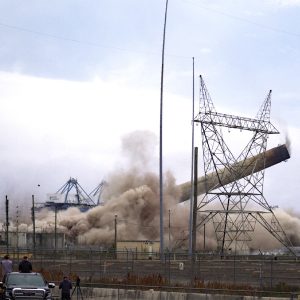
7,223
116,216
169,230
33,225
55,228
192,169
160,141
204,237
195,203
17,231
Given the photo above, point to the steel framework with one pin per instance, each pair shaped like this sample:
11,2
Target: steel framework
235,208
97,192
81,196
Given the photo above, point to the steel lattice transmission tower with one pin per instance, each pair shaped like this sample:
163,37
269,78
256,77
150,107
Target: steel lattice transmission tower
235,208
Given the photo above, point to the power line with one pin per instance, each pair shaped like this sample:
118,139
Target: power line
53,36
98,45
267,27
87,43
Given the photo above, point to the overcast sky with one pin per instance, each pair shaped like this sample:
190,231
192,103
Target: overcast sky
76,76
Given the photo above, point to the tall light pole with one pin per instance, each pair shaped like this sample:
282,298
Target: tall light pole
160,140
7,222
192,170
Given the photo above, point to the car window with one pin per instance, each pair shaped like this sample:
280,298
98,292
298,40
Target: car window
25,279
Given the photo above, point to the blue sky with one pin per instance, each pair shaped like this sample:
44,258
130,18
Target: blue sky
76,76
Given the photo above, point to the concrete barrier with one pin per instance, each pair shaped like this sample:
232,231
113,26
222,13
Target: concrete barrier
124,294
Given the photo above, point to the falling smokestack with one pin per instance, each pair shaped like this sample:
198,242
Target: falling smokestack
246,167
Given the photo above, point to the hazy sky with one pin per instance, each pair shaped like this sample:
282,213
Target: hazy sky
76,76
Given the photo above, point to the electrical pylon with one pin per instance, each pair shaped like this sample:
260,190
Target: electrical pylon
235,208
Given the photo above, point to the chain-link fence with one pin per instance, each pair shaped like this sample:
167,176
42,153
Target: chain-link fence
94,266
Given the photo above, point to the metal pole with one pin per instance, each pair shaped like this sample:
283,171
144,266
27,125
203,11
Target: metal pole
55,229
271,273
204,236
160,141
33,225
17,231
234,268
116,236
195,203
169,230
192,169
7,223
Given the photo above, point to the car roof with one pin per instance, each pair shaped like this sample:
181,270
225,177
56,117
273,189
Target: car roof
21,273
24,274
29,276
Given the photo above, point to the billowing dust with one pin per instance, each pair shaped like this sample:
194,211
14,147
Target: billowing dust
132,208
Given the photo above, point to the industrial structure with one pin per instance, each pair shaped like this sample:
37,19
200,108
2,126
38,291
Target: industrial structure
72,194
233,197
231,189
96,193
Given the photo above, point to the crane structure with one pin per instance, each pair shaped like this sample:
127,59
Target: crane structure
71,194
236,207
80,197
96,193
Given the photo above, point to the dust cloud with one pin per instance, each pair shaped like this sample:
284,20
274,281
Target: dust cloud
131,201
132,210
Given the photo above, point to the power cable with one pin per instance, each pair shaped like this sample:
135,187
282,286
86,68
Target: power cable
88,43
282,31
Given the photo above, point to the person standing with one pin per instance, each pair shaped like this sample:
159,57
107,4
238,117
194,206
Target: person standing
65,286
25,265
7,266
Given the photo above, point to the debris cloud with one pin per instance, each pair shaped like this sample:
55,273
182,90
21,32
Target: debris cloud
131,204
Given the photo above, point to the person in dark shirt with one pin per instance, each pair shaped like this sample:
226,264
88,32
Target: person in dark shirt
25,265
65,286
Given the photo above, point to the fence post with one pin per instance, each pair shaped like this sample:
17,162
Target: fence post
70,261
234,268
100,261
132,261
169,255
199,268
91,264
271,275
260,274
